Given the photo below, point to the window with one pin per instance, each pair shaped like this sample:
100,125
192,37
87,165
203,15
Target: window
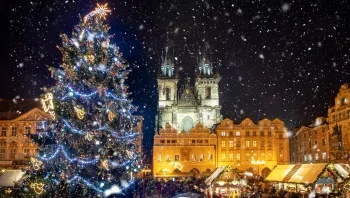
231,156
281,157
201,158
280,136
223,143
3,131
194,158
254,133
162,141
262,156
167,93
269,156
177,158
316,157
206,141
315,142
269,133
238,133
200,141
247,156
13,153
269,144
310,157
168,158
210,157
309,144
324,156
168,141
2,154
238,157
14,131
223,133
305,158
193,141
223,156
173,141
208,93
247,133
230,144
254,144
261,133
315,132
262,143
26,153
247,143
323,142
27,130
159,159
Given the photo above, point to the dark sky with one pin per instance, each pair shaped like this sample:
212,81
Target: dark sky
284,59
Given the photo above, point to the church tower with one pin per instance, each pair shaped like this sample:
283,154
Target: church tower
207,86
167,89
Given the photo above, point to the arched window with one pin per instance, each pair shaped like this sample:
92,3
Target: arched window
167,93
208,93
187,123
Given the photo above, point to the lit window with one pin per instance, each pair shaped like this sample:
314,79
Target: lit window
238,133
3,131
316,157
13,153
247,143
223,143
305,158
223,156
223,133
324,156
269,156
210,157
231,157
254,144
323,142
310,157
231,144
247,156
262,156
2,154
159,158
201,158
26,153
238,157
194,158
14,131
177,158
27,130
168,158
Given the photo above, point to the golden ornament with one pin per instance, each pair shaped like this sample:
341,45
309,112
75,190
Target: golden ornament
111,116
48,104
36,163
104,164
8,191
89,136
90,58
80,112
37,187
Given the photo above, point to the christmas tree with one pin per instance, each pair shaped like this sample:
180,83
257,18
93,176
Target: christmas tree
88,147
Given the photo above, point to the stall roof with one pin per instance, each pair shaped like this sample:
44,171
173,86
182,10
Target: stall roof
307,173
279,172
9,177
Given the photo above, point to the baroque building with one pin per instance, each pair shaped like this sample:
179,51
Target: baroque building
17,120
249,146
310,144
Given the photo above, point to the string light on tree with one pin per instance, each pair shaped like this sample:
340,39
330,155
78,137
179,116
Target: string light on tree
80,112
111,116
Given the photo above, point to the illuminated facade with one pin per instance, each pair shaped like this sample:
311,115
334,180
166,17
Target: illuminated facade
252,146
339,126
15,122
175,154
310,144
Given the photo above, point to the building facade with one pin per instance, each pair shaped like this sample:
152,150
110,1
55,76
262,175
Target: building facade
16,121
247,145
339,126
311,144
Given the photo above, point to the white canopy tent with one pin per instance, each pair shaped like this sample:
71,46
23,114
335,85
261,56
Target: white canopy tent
9,177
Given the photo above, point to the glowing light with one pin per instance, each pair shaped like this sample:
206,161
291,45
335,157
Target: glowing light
36,163
48,104
8,191
37,187
80,112
89,136
101,11
104,164
111,116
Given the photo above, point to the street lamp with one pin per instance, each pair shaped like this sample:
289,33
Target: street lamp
258,162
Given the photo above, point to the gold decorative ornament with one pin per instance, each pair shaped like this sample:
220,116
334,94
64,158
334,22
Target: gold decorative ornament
101,11
37,187
80,112
8,191
48,104
111,116
36,163
104,164
90,58
89,136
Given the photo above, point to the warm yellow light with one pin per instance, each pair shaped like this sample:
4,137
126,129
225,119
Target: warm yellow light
101,11
80,112
8,191
36,163
111,116
221,183
37,187
47,102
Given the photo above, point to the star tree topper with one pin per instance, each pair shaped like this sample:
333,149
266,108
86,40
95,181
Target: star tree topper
101,11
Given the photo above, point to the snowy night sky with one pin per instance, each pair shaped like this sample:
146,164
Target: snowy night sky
284,59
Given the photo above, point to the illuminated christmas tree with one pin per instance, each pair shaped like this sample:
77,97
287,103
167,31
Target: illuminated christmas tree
87,149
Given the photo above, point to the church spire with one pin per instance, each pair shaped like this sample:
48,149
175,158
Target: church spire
205,65
167,68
